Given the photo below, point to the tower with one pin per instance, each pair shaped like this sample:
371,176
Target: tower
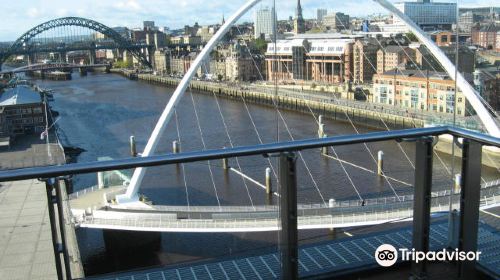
298,22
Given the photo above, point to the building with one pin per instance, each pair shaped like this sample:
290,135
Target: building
394,57
466,58
467,20
320,14
485,13
240,66
486,36
487,83
265,23
21,111
443,38
364,60
311,57
149,25
429,15
336,21
412,89
161,61
299,26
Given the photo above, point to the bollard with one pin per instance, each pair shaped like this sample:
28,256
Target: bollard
269,186
380,163
225,163
133,148
100,180
321,130
324,150
458,182
331,203
176,147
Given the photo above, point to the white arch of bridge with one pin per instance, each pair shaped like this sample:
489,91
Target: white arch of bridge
131,195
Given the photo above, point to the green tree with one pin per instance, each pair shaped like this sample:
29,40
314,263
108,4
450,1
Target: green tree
260,45
411,37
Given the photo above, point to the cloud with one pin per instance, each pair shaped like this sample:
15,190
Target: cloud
172,13
131,5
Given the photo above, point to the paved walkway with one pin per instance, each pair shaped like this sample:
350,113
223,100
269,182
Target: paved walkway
25,239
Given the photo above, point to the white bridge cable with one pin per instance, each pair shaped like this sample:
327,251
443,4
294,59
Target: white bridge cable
455,99
412,119
341,162
365,145
204,147
244,179
293,139
182,164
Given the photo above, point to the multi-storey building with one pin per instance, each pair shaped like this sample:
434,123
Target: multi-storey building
467,20
486,36
424,91
392,57
364,60
429,15
311,57
336,21
161,60
443,38
320,14
427,61
265,23
21,111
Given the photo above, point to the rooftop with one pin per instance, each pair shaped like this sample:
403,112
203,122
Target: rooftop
19,95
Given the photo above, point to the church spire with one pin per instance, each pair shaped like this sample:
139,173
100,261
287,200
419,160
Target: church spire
298,23
298,10
223,20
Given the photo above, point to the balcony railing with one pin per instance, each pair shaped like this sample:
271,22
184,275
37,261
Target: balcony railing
288,218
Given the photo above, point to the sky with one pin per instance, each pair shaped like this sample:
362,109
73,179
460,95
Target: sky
21,15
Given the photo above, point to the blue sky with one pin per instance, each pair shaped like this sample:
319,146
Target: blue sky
20,15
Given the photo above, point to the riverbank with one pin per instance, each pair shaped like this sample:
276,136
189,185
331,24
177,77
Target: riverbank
359,116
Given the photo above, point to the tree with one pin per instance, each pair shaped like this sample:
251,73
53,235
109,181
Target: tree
260,45
411,37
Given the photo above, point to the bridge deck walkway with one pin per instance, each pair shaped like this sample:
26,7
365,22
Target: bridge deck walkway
327,258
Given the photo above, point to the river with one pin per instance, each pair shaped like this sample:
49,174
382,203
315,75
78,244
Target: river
100,111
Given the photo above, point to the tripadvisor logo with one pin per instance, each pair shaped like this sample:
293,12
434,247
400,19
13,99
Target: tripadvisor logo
386,255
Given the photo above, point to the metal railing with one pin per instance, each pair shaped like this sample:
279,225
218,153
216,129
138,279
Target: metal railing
289,220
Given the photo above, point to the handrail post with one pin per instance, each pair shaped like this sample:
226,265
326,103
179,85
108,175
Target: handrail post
288,204
62,228
469,205
422,204
49,186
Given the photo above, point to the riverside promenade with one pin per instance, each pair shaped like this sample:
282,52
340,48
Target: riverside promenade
25,236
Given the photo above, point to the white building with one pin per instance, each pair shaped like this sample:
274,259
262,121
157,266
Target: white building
321,13
265,20
429,15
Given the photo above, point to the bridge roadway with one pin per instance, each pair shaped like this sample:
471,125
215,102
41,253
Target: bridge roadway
246,218
53,66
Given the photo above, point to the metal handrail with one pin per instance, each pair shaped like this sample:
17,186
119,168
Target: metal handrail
264,149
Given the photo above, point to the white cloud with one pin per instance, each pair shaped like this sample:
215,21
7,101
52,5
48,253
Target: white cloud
131,5
173,13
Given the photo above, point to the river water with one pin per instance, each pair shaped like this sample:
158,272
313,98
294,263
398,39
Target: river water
100,111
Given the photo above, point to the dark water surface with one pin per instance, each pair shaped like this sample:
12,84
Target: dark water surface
100,111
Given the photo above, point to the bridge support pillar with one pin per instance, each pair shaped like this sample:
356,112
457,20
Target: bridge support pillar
288,204
422,204
469,205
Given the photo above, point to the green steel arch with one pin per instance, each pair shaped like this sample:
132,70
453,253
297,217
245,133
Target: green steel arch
122,42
